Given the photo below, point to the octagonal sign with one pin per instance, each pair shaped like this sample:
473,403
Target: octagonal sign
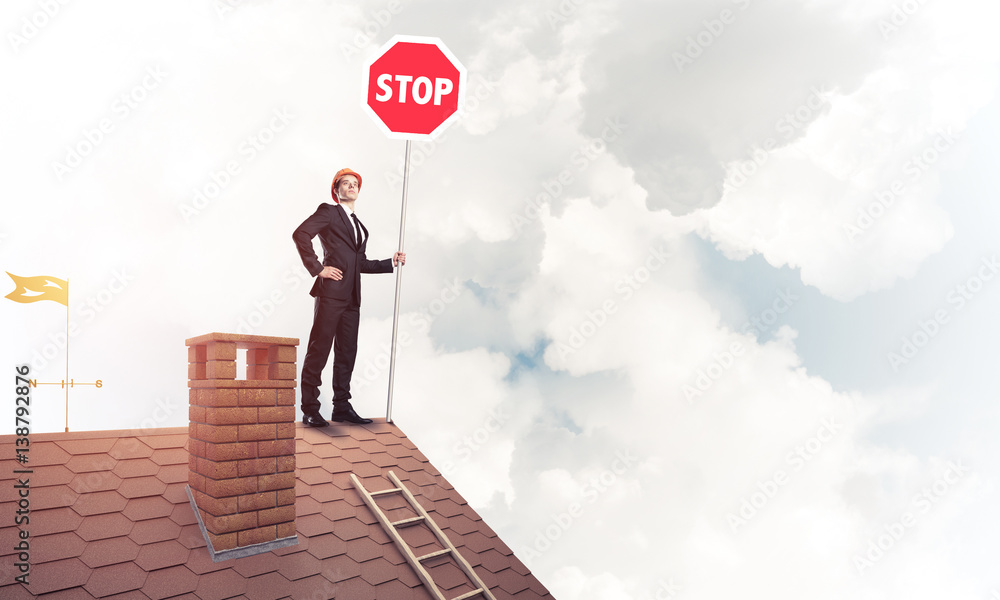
414,87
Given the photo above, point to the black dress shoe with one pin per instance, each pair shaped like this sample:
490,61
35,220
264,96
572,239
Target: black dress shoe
350,416
314,420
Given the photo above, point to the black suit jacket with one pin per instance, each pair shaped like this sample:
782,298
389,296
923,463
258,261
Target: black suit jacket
336,232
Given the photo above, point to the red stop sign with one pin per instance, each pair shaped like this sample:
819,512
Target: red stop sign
414,87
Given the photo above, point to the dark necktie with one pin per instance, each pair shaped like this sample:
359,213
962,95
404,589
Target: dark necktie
357,230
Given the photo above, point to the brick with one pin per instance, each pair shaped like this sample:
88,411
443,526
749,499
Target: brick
257,372
196,413
286,397
257,536
217,469
286,463
257,501
237,451
257,356
286,431
220,369
196,371
221,351
280,371
255,433
226,541
196,481
229,523
196,353
279,481
281,354
285,497
218,434
196,447
215,506
276,448
273,516
236,415
285,530
216,398
258,397
223,488
256,466
276,414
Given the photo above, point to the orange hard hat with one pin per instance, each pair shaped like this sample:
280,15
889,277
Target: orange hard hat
338,176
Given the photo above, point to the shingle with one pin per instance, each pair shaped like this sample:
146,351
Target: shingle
170,582
87,446
101,481
183,514
53,547
364,549
99,503
137,487
128,447
350,529
340,568
511,581
378,571
154,530
300,565
104,526
115,579
51,475
109,551
47,453
85,463
54,520
148,507
52,497
160,555
169,456
258,564
176,473
135,467
268,586
190,537
327,545
446,574
58,575
156,442
220,584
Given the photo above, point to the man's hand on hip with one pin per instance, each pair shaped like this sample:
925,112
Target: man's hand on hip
331,273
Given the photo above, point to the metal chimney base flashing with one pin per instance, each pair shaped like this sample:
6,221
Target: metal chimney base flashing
241,552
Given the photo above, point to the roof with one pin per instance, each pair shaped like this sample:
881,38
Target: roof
110,518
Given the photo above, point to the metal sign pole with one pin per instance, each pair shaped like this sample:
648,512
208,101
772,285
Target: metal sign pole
399,280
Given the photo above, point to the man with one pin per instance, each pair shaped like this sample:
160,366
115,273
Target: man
337,308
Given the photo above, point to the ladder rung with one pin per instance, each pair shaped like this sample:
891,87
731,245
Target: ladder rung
407,522
433,554
474,592
388,491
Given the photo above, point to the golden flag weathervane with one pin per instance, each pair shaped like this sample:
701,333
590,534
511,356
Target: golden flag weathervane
36,289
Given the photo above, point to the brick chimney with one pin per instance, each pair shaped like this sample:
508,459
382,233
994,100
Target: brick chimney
241,439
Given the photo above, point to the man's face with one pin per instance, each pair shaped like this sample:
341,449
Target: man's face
348,188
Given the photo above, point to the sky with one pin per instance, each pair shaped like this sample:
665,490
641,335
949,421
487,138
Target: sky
698,299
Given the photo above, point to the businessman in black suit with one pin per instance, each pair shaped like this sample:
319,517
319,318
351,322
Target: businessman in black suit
337,293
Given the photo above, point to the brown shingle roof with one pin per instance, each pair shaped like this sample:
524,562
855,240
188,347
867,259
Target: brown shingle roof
110,518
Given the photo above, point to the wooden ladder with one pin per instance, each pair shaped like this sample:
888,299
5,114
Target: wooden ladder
422,517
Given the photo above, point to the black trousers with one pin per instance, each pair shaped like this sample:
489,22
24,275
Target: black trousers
335,324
